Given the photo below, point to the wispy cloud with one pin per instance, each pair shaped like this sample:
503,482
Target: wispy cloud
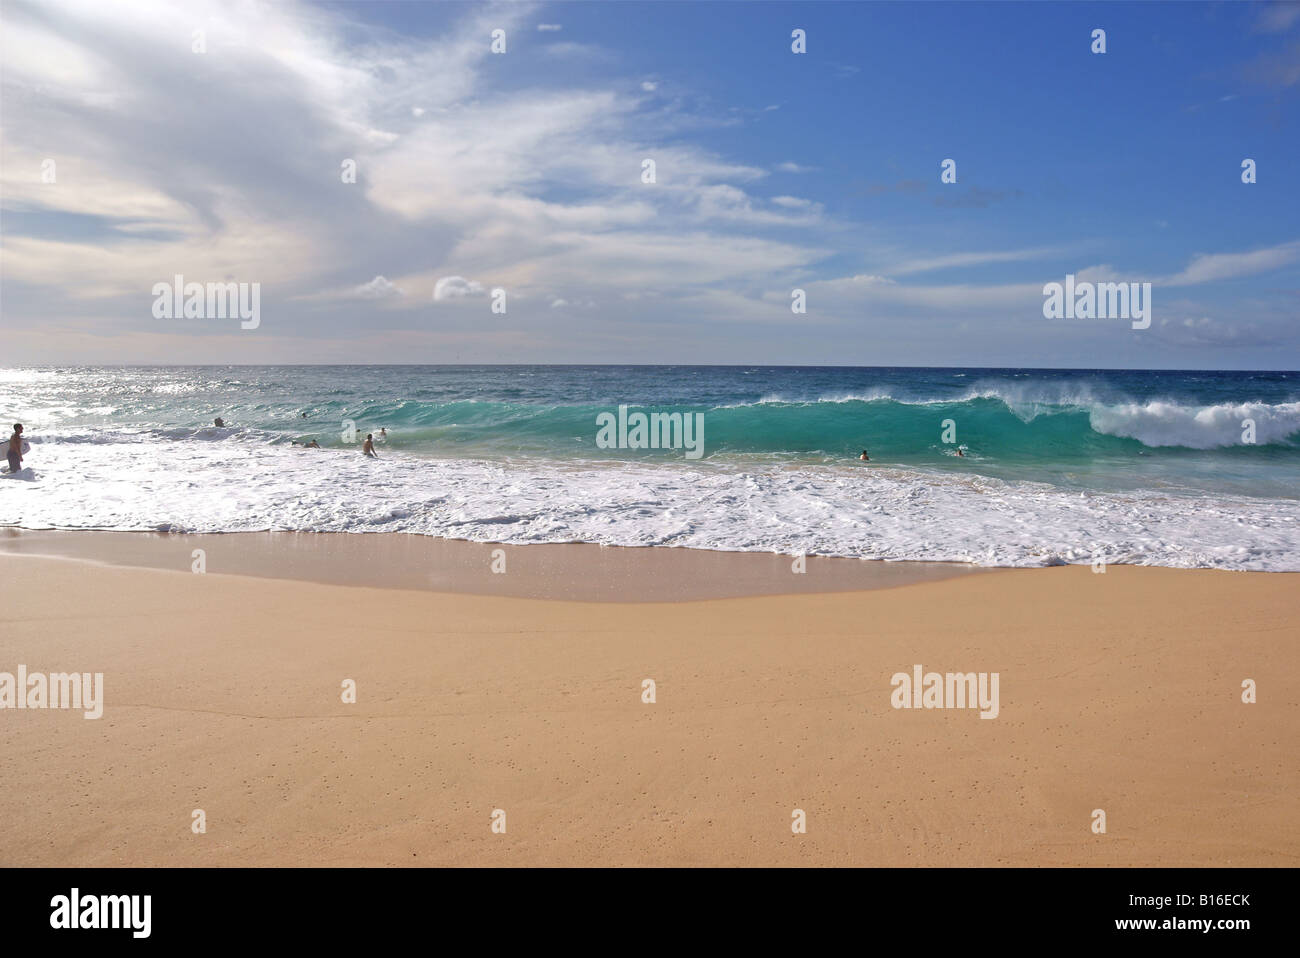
1278,16
1213,267
1202,331
974,197
977,258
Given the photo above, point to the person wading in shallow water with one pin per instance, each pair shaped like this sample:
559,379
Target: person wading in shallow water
15,450
864,457
369,447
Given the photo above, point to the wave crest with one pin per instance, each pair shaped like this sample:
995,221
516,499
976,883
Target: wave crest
1157,424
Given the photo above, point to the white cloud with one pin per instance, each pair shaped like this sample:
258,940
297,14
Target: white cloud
550,27
980,258
466,188
456,287
789,167
378,288
851,293
575,51
1208,331
1101,273
649,85
725,202
1212,267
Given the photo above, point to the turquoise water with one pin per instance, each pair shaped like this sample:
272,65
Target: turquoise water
1058,465
1108,429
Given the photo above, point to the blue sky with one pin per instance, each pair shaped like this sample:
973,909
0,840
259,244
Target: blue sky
775,171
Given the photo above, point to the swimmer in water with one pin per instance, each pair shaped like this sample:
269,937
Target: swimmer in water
960,453
312,445
369,448
218,422
383,433
864,457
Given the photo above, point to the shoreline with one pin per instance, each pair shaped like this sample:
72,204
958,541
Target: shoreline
575,572
580,572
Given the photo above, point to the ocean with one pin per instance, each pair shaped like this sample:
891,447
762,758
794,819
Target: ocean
1180,469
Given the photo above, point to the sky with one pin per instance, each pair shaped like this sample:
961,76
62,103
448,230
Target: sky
142,140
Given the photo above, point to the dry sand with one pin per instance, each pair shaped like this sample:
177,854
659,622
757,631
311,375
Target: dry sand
1119,692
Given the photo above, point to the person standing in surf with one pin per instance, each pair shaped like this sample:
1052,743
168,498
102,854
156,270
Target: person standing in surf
369,447
15,450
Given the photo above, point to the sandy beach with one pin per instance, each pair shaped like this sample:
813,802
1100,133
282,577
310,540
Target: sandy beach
1119,691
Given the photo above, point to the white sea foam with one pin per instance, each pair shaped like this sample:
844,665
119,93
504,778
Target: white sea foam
1197,427
780,399
240,482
